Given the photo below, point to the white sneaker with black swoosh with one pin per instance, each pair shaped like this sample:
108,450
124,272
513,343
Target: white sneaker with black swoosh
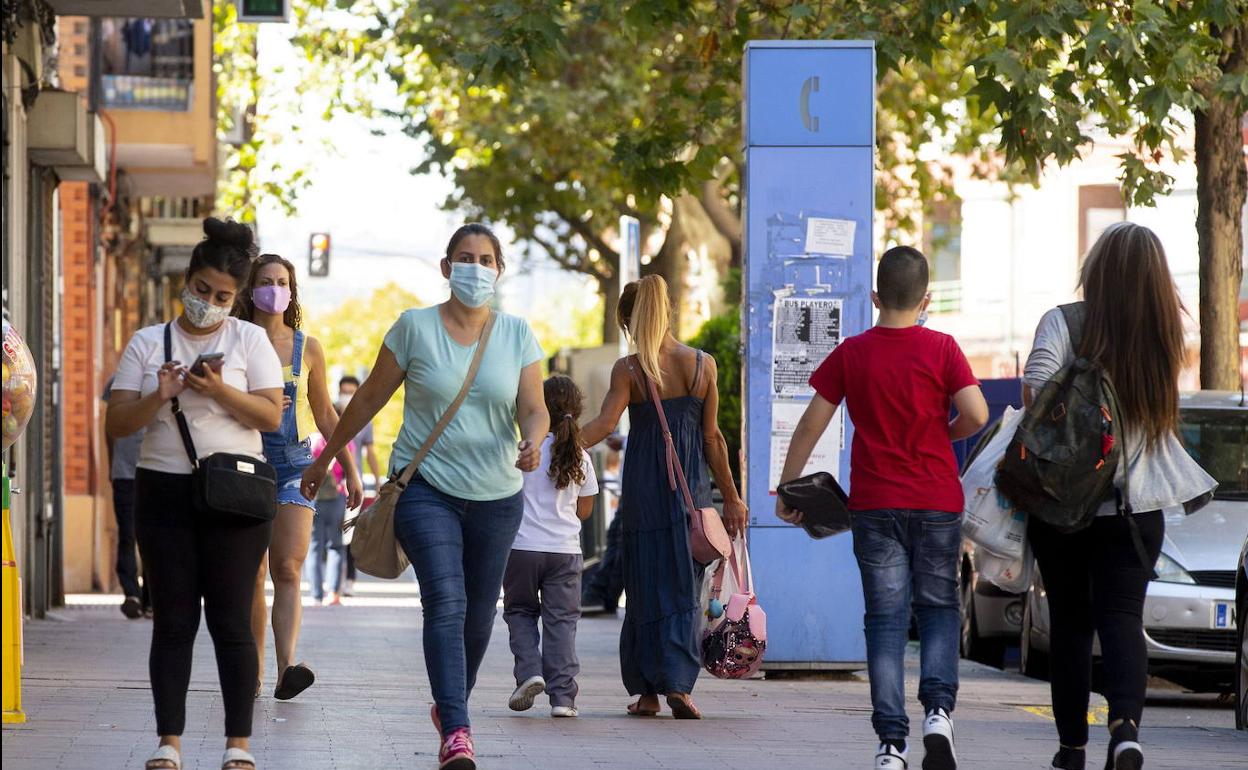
938,741
889,757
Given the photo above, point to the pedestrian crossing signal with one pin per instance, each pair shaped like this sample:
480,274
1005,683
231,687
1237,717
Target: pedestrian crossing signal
263,10
318,255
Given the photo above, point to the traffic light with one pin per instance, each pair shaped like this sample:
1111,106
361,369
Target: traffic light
263,10
318,255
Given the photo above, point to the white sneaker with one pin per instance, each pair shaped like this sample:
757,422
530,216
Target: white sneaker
889,758
938,741
563,712
522,699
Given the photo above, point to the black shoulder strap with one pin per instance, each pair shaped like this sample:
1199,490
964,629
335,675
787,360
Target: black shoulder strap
1075,313
183,428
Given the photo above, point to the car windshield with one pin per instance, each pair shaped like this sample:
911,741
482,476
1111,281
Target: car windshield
1218,440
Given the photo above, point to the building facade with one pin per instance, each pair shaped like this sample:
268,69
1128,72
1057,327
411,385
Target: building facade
110,161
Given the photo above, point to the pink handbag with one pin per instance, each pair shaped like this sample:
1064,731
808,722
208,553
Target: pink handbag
733,648
708,540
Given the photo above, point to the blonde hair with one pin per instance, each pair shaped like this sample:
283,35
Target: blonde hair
645,314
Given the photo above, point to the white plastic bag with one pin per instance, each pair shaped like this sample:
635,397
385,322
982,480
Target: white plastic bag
1012,574
988,519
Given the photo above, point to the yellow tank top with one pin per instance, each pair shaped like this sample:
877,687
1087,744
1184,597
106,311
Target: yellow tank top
304,420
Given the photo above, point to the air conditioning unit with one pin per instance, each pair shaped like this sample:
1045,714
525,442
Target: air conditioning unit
63,135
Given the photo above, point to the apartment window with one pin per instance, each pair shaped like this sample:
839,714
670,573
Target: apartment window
942,243
147,63
1100,205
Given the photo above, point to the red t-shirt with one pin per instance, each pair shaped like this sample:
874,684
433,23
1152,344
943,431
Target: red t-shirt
898,385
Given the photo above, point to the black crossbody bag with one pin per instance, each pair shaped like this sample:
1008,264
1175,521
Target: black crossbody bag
224,484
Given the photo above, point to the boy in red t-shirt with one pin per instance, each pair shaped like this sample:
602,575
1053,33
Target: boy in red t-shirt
898,381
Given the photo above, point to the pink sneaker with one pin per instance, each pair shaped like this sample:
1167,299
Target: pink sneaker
457,752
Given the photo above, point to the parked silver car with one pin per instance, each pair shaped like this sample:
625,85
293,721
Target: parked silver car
991,617
1190,621
1241,666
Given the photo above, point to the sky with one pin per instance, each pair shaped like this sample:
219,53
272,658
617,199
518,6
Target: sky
385,223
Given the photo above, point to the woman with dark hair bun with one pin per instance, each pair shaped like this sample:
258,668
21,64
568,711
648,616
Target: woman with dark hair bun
271,301
458,516
231,393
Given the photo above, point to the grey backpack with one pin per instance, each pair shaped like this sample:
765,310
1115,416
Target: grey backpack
1060,465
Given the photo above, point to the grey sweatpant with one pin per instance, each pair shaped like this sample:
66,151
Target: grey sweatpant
545,585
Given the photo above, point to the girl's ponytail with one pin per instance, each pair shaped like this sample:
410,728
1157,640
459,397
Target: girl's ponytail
565,402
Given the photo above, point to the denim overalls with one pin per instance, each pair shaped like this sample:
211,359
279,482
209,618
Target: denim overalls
282,448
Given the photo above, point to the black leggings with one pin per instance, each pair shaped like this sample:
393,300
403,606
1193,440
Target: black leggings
1095,582
192,556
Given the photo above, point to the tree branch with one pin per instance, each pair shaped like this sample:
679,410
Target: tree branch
564,260
591,236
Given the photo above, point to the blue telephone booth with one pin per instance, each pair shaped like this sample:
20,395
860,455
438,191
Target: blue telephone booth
808,205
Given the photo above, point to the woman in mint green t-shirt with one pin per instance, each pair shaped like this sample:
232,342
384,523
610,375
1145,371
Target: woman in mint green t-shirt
457,519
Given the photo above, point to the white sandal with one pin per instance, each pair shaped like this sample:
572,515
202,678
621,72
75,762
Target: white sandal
161,759
238,759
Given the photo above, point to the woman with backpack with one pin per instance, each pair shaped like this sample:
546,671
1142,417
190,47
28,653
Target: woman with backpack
1096,578
658,642
457,517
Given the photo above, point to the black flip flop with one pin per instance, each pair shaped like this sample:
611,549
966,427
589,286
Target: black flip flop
294,680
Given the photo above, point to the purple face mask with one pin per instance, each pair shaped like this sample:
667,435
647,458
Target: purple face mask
271,299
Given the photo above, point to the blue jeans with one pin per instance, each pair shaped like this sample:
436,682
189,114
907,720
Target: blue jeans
459,549
326,553
909,558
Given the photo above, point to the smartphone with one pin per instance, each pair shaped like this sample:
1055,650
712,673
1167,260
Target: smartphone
215,360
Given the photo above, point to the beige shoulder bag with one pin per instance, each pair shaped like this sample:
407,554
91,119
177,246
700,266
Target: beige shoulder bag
373,546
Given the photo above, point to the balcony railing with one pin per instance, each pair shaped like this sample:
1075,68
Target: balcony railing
946,296
142,92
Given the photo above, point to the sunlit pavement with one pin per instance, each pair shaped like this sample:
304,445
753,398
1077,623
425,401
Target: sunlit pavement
88,705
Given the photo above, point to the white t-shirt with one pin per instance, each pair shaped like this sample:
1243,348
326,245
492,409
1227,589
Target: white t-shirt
251,364
550,523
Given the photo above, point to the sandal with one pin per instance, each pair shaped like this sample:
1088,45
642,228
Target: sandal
294,680
635,710
165,757
238,759
682,707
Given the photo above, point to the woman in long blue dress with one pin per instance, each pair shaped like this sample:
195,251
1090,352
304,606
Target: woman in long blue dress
658,642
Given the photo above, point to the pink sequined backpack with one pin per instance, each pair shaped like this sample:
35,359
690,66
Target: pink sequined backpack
736,637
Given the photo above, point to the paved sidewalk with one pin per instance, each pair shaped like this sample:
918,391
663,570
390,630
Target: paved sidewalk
89,708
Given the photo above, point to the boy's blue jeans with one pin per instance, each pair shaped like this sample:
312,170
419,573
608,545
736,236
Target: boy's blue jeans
459,549
909,558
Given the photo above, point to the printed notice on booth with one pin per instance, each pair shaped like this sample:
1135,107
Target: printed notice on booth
830,236
804,331
827,452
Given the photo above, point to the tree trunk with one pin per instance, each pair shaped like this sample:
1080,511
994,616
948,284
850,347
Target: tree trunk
696,293
610,291
727,221
1221,186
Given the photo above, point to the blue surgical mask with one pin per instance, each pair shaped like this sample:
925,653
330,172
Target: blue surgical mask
472,284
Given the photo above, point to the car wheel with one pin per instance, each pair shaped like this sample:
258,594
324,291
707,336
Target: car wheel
1241,666
990,652
1031,662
